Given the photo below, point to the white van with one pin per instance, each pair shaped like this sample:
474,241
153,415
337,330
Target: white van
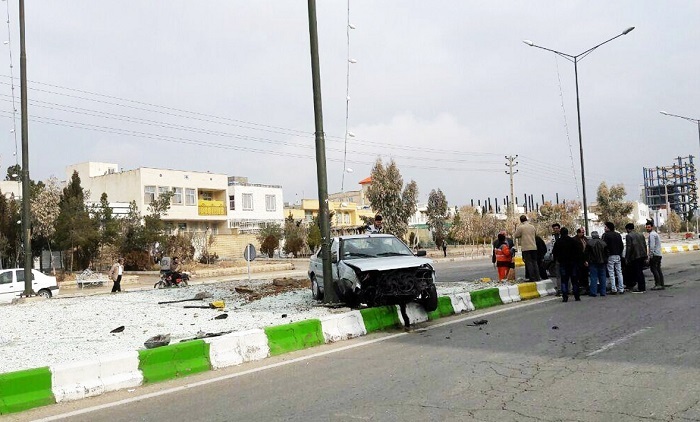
12,284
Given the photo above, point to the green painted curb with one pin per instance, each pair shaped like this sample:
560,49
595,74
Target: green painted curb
23,390
485,298
528,291
444,308
175,360
376,319
295,336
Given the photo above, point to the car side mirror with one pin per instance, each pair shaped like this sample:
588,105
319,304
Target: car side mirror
421,253
334,257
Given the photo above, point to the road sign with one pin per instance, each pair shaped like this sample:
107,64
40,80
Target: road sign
249,253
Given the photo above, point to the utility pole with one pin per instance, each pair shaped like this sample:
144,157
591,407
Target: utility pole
26,219
511,163
329,295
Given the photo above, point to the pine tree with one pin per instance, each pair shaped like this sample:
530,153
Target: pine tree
387,198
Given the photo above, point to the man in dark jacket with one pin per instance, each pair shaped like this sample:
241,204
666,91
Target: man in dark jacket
635,254
597,257
541,252
614,241
568,253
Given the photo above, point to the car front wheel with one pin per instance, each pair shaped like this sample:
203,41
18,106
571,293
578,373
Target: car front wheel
430,298
315,289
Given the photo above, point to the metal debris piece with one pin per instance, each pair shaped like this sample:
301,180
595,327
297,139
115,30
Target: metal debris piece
478,322
157,341
118,329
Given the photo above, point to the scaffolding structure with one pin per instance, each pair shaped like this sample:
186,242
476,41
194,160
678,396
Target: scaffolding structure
675,185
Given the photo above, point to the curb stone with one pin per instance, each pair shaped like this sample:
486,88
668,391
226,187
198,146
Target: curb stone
27,389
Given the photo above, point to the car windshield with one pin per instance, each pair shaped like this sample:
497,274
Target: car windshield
374,247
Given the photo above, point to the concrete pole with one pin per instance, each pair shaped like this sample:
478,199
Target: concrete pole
26,216
329,295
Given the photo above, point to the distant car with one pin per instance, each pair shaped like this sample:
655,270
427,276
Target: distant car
376,269
12,284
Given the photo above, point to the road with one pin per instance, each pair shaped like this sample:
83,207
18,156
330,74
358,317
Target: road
618,358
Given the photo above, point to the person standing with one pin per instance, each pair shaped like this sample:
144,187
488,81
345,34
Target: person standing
526,233
554,266
614,241
597,257
635,254
655,256
567,253
581,271
444,247
377,226
115,273
541,252
503,256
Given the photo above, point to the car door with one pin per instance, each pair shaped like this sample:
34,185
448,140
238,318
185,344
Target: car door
19,276
318,263
8,286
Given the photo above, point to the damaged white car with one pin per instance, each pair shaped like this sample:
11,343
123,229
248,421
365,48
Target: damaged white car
376,269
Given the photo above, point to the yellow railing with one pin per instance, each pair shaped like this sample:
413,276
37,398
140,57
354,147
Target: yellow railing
211,207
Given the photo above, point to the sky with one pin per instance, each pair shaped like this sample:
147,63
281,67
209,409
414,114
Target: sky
447,89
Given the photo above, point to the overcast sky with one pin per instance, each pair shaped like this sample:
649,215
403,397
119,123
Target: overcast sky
445,88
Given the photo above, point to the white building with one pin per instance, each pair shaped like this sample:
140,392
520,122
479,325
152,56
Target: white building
250,205
198,203
11,188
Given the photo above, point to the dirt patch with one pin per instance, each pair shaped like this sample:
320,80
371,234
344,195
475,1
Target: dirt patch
257,291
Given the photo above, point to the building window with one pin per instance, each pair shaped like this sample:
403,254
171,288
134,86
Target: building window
177,196
232,202
149,194
308,216
190,196
207,196
162,190
270,203
346,218
247,202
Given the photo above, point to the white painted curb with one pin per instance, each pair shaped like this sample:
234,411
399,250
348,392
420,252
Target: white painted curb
461,302
78,380
546,287
416,313
504,292
236,348
342,326
514,293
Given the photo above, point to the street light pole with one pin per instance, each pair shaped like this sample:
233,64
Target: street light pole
575,59
697,122
26,217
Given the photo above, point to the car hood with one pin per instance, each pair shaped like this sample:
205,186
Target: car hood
387,263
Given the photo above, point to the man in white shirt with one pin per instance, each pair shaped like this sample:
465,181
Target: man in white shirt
655,256
115,273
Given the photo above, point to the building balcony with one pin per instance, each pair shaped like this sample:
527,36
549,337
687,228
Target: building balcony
211,207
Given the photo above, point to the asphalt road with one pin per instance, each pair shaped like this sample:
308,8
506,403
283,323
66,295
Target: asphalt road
618,358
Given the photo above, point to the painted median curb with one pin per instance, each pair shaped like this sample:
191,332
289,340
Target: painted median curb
681,248
27,389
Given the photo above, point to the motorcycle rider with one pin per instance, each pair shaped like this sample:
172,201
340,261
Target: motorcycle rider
174,270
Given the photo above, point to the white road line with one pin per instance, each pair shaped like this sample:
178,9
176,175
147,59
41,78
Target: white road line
618,341
278,364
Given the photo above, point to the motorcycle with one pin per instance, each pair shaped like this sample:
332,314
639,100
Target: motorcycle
167,280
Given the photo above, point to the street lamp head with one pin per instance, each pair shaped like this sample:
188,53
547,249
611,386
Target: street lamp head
628,30
528,42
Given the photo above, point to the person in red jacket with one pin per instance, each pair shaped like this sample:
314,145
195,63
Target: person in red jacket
503,256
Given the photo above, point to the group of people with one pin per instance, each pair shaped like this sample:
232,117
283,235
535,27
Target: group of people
585,264
533,248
